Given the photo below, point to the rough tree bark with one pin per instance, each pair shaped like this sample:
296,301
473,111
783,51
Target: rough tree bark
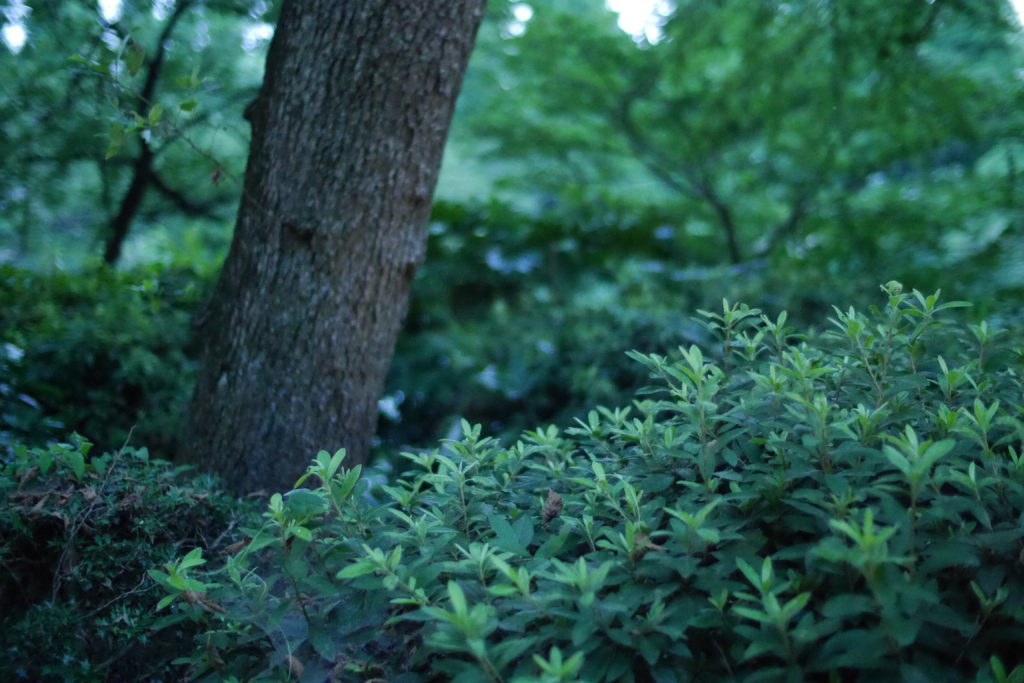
348,133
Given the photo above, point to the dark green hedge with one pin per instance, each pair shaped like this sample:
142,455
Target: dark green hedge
99,352
845,506
77,534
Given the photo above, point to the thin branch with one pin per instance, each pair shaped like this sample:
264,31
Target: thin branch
156,65
645,153
694,184
143,174
181,201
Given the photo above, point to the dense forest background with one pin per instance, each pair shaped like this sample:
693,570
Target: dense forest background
598,188
699,237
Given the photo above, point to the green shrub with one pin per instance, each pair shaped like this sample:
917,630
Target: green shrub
514,321
98,352
21,417
845,506
518,320
77,534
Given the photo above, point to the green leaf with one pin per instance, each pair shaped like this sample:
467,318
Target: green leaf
76,461
321,640
897,459
158,576
847,605
134,57
851,648
458,598
193,559
936,451
505,536
749,572
304,503
756,615
155,114
115,140
45,461
359,568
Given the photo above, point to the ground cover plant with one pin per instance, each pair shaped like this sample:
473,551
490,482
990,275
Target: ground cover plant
842,506
77,532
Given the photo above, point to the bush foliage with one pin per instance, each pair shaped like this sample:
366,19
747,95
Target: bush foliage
776,507
519,320
77,534
107,354
101,353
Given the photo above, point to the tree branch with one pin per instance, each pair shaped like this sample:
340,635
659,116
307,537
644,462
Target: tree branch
182,202
694,184
725,219
143,174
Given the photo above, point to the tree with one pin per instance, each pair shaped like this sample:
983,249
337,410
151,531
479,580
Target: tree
348,133
771,127
142,167
168,80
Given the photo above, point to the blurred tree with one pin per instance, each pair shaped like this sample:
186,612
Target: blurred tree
348,131
143,174
168,79
772,126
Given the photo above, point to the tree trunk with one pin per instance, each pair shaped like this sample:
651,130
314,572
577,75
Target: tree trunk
348,132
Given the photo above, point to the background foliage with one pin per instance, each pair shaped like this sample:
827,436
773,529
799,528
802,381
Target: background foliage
598,189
